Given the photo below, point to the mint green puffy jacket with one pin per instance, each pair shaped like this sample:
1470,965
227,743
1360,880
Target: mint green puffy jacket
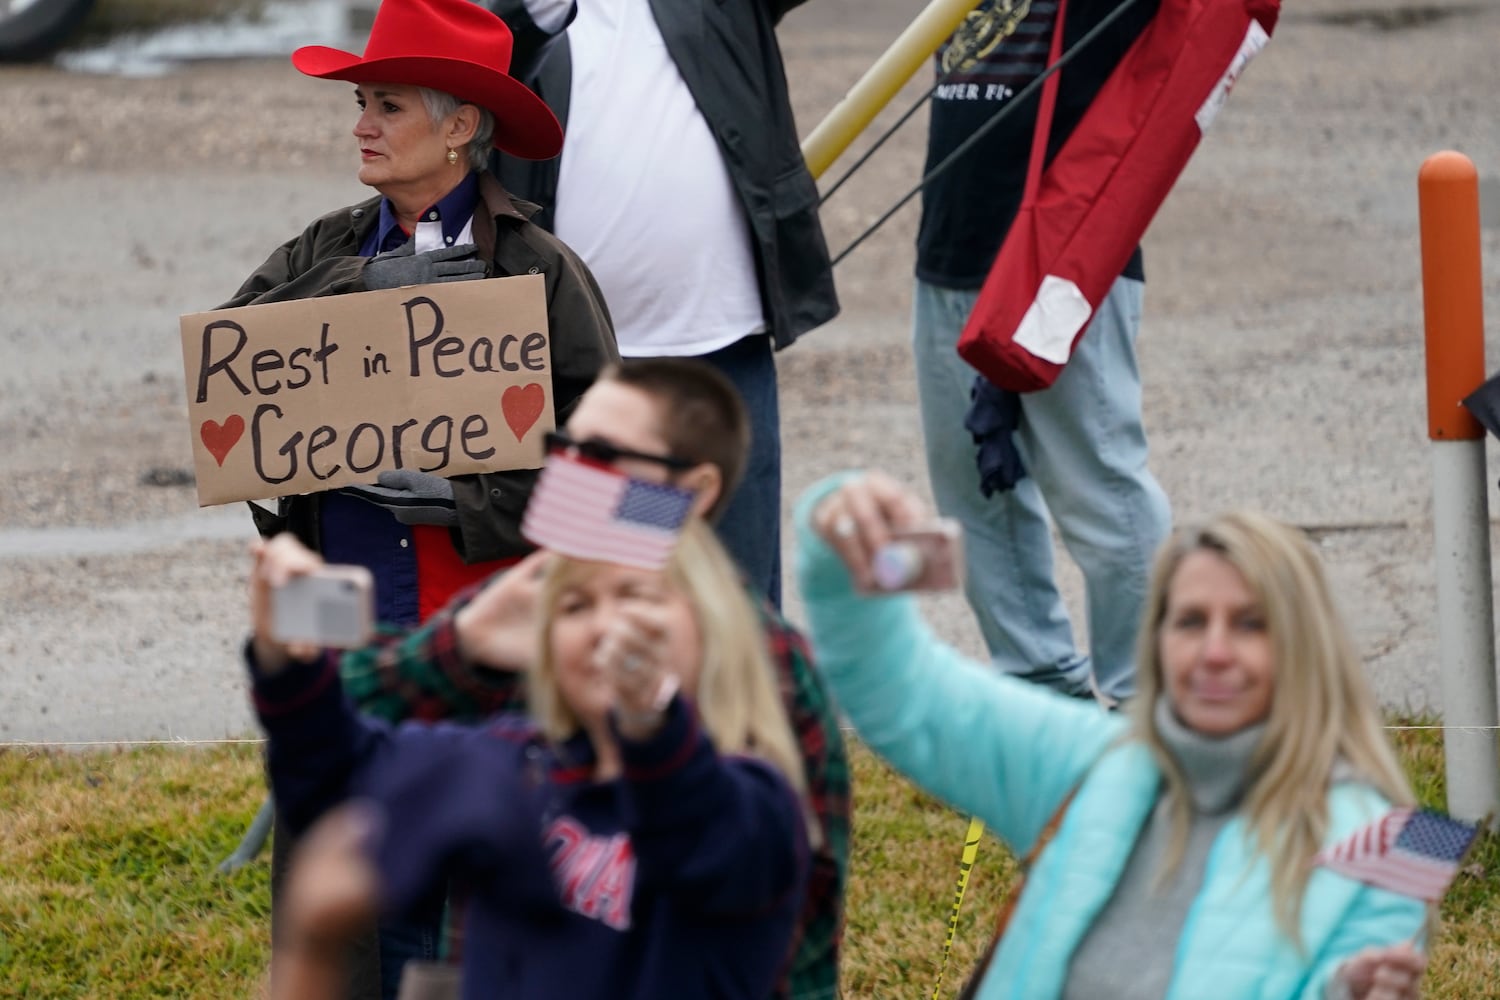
1009,752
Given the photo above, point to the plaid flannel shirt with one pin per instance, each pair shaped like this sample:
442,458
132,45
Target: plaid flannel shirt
420,674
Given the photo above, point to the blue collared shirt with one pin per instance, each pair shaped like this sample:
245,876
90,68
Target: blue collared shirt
453,212
354,530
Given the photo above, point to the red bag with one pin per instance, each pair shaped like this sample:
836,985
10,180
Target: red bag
1079,223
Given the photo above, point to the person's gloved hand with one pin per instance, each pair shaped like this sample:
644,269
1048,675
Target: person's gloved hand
404,266
411,497
994,417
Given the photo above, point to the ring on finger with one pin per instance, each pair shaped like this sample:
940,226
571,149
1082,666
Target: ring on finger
844,526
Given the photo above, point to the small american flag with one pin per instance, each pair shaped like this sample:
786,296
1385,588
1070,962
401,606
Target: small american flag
1414,852
591,511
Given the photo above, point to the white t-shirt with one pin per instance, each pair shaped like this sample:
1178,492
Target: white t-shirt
643,195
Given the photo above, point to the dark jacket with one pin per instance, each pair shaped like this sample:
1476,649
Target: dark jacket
325,260
423,675
681,879
729,59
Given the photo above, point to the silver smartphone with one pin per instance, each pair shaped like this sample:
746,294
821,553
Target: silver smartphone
334,607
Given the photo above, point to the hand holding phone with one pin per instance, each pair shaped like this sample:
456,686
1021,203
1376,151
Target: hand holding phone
925,558
887,537
332,606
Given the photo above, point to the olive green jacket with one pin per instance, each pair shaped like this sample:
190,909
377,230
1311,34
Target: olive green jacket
324,260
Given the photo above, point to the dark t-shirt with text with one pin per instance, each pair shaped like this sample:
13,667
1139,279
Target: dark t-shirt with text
1001,47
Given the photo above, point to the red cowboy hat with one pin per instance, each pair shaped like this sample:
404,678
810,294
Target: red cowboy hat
450,45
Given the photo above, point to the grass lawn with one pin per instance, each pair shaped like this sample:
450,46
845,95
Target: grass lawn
108,888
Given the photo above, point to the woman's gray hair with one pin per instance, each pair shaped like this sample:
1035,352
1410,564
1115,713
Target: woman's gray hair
440,104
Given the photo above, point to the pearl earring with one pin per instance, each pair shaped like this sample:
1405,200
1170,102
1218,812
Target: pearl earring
453,157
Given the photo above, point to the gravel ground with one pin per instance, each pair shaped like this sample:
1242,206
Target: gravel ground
1281,351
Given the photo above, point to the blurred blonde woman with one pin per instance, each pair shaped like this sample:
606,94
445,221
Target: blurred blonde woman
1173,847
735,693
646,835
1323,719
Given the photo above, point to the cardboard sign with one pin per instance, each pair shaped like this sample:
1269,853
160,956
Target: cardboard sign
297,397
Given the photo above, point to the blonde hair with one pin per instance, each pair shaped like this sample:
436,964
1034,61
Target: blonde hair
1322,708
738,698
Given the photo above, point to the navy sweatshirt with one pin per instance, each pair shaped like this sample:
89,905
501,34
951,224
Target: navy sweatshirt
681,880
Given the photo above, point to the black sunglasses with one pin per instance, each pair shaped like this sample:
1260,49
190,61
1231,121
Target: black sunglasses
605,453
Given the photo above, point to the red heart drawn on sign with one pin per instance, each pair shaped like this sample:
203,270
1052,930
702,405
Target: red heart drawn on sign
219,439
522,404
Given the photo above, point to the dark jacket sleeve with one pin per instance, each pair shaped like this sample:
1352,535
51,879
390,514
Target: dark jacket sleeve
296,271
723,835
530,44
316,742
780,8
453,799
465,804
490,505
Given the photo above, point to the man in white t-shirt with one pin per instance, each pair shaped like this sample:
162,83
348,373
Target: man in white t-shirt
682,186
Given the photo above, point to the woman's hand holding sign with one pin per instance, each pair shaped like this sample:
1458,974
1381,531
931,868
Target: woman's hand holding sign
412,497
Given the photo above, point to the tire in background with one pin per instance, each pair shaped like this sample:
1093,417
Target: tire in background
38,29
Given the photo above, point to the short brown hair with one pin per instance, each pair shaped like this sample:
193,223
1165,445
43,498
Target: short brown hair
702,416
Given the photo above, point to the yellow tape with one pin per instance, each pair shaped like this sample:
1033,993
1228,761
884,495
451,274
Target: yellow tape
971,851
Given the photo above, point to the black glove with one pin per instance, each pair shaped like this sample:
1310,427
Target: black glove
993,418
411,497
404,266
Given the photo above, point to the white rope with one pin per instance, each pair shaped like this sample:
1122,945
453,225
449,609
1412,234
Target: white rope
176,742
26,744
1451,729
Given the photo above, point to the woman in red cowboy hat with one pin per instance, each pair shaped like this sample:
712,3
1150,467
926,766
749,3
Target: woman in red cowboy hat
434,97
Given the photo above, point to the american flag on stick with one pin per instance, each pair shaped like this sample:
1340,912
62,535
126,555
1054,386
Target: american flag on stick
1414,852
594,512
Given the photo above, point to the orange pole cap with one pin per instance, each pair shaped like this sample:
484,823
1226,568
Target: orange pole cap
1452,293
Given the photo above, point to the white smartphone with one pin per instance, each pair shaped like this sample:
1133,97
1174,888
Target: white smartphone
334,607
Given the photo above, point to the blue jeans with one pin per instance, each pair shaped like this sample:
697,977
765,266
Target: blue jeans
1085,452
750,527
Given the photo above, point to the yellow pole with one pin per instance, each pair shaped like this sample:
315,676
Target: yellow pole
882,81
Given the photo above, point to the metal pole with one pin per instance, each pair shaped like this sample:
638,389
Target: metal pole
1453,308
882,81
